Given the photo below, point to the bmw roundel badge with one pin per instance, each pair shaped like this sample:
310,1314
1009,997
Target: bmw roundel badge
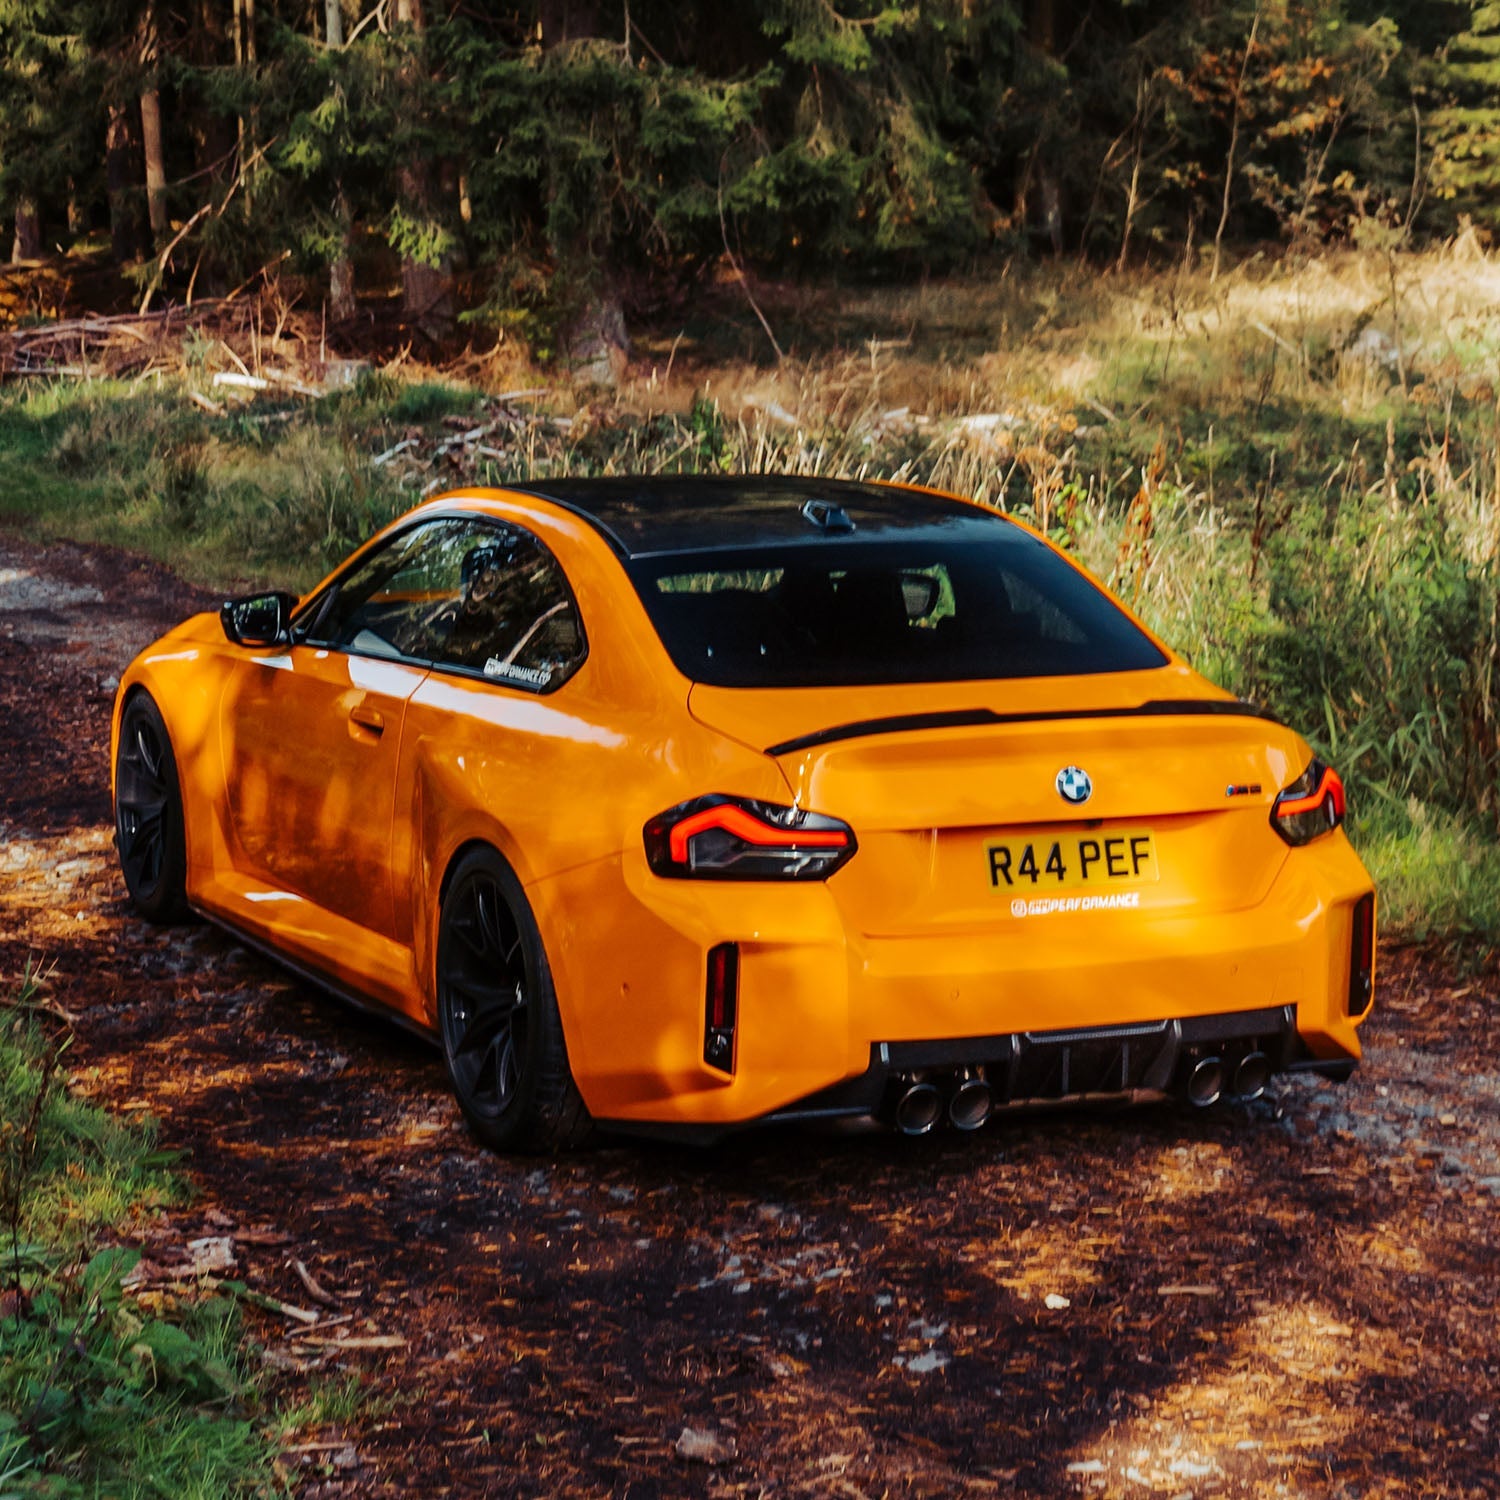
1073,784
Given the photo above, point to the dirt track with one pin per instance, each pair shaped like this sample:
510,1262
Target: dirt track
1296,1298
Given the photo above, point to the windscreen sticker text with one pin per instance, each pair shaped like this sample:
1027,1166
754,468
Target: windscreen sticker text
531,676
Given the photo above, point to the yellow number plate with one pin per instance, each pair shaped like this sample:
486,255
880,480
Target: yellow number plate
1072,861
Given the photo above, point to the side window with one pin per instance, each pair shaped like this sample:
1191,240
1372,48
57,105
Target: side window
385,605
514,620
466,595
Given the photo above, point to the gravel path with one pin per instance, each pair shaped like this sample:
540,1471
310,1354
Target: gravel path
1296,1298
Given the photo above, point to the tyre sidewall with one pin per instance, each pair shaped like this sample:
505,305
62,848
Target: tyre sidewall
524,1123
165,900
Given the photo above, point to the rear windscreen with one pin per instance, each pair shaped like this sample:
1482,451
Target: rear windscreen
840,613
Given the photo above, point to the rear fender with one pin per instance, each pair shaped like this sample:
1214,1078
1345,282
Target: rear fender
584,808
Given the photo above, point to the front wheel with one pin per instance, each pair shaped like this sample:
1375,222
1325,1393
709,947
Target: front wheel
148,814
497,1014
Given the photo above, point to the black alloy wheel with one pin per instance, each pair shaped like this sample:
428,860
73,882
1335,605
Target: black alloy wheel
148,814
497,1014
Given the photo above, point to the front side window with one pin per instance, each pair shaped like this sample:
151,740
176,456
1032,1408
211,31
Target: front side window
464,594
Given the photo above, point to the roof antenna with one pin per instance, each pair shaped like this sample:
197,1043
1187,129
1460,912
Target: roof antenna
827,516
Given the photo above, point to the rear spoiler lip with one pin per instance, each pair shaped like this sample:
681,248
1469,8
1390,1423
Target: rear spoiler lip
969,717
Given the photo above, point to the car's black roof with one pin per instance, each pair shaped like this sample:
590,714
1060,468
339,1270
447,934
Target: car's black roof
651,515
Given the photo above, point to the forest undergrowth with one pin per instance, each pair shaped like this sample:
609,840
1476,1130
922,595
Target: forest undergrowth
107,1387
1291,471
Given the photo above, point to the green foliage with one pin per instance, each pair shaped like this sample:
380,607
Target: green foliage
871,134
1408,711
138,467
1438,877
98,1395
1464,120
45,67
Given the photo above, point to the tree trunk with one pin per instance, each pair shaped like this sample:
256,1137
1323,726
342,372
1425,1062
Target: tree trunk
427,294
1041,25
213,136
244,57
156,170
151,137
239,62
27,244
122,180
568,21
594,337
341,303
1041,33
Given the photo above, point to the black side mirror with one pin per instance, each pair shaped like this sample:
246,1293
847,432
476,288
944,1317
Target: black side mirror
259,619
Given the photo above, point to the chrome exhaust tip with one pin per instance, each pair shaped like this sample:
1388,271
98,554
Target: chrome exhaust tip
1252,1075
969,1104
918,1109
1205,1083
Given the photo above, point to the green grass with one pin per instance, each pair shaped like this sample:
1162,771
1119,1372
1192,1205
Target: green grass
329,1400
223,500
101,1394
1437,877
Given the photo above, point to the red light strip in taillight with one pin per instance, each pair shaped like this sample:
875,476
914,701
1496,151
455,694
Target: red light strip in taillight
744,826
1332,784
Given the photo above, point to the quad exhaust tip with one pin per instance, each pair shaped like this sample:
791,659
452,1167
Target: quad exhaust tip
969,1107
1252,1075
1205,1085
918,1109
965,1098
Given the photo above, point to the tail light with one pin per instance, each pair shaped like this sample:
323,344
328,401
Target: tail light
721,1006
734,838
1362,955
1312,805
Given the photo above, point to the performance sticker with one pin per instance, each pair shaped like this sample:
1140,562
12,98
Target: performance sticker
531,676
1046,906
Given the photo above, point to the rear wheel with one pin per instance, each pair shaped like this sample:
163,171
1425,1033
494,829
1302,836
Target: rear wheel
148,814
497,1014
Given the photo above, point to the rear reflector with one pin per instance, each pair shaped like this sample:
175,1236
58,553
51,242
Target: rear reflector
721,1006
1362,956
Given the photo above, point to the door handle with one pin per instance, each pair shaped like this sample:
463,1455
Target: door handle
368,718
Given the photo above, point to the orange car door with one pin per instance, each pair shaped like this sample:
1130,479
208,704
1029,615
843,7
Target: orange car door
311,741
312,735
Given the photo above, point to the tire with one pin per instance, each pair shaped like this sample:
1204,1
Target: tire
149,828
501,1033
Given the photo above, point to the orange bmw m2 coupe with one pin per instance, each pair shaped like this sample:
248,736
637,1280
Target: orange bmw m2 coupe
678,804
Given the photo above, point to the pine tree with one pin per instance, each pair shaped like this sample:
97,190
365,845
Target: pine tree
43,140
1464,129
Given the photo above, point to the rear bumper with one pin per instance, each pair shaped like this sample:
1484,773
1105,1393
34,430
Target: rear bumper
828,1016
1029,1069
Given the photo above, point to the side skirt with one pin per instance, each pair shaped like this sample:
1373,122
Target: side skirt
340,992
